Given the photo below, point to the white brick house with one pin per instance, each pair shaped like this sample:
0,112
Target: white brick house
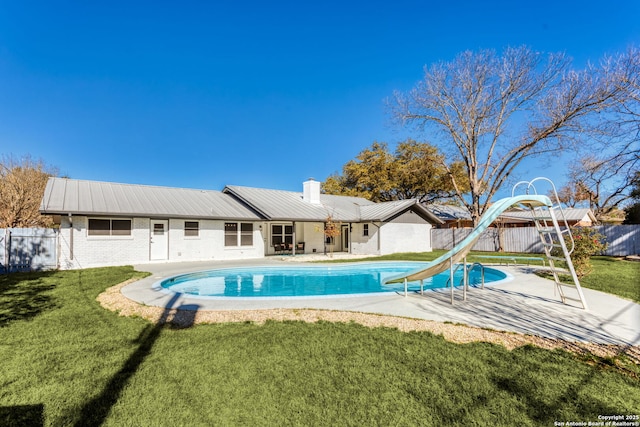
104,224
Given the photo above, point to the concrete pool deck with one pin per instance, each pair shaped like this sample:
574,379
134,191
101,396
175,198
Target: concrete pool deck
525,304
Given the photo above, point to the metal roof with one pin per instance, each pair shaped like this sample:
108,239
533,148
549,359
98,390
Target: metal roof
69,196
449,212
571,214
77,197
289,205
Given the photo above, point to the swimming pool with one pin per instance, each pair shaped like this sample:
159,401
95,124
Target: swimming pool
310,280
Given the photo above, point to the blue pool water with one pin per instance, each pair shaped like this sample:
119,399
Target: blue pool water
364,278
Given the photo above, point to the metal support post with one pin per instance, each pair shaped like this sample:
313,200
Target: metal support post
451,277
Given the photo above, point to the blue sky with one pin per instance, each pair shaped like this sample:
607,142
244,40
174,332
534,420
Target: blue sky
203,94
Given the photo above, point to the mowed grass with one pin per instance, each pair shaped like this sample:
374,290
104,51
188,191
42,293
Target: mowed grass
614,276
67,361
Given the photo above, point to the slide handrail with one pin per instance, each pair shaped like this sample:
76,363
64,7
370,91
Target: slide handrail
457,267
562,218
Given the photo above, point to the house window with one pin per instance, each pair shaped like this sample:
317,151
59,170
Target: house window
109,227
365,229
246,234
233,234
191,228
281,234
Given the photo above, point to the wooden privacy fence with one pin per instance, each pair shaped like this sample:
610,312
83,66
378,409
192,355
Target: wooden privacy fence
623,240
28,249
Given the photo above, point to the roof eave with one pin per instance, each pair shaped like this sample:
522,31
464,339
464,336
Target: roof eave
148,215
239,198
417,208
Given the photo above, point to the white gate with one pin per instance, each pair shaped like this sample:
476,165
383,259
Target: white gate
28,249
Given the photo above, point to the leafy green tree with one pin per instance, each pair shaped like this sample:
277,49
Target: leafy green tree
367,176
415,170
422,173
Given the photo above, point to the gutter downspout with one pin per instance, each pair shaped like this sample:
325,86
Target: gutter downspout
70,237
293,244
5,249
8,252
378,235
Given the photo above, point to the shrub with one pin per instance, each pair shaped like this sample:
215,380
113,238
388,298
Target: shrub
587,242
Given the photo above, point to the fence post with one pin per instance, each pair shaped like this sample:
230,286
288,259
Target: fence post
8,257
4,251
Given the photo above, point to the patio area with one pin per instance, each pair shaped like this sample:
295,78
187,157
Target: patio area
526,304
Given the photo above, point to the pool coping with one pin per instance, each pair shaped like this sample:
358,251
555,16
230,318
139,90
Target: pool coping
527,304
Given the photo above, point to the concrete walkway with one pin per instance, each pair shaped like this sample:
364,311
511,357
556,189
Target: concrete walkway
525,304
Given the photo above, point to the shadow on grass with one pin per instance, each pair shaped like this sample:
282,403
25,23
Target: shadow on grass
95,411
24,295
544,411
22,415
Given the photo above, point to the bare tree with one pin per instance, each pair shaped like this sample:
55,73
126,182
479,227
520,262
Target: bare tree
571,194
632,212
607,172
629,107
331,231
495,111
604,182
22,185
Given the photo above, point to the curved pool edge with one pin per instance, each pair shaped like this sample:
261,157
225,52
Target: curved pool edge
157,285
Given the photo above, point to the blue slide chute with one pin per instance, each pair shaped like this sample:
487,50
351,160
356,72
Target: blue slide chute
461,250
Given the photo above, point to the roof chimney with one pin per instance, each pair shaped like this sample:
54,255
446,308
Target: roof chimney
311,191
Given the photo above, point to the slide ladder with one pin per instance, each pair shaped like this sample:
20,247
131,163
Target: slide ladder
552,230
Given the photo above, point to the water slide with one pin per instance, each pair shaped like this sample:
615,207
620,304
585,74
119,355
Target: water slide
461,250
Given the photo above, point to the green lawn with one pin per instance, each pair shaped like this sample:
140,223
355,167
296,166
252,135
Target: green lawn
67,361
614,276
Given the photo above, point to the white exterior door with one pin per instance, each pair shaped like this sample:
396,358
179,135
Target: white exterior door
159,240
